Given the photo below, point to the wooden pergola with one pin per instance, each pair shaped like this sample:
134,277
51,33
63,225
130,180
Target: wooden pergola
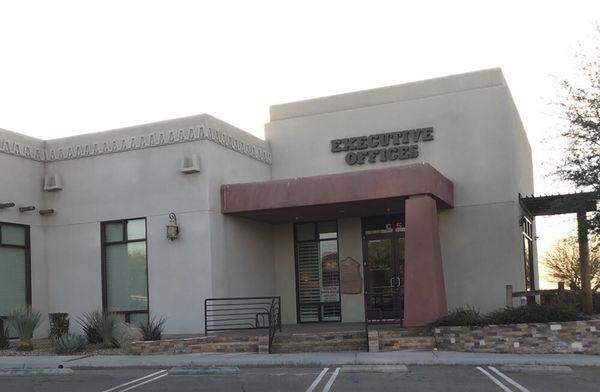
571,203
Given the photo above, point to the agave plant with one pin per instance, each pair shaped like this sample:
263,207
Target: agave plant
99,327
24,321
152,329
4,340
69,343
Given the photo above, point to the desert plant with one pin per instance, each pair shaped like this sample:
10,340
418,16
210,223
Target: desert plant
4,340
467,316
534,313
152,329
89,323
59,325
99,327
69,343
24,321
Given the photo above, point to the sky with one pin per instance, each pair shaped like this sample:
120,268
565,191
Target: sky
72,67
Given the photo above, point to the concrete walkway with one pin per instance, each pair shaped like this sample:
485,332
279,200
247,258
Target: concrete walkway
301,359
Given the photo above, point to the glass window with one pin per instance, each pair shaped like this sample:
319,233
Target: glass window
126,276
13,235
305,232
15,276
136,229
125,285
527,228
113,232
327,230
317,269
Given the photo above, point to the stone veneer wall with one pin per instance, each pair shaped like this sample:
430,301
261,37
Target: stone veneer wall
571,337
210,344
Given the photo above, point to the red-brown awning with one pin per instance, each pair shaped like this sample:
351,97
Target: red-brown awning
355,193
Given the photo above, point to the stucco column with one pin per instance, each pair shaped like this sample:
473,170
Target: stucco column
424,291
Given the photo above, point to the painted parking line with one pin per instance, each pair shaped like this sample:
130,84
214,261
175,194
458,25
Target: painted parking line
508,379
331,380
317,380
494,379
504,377
138,381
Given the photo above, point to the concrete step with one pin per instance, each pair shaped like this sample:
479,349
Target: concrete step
331,347
320,342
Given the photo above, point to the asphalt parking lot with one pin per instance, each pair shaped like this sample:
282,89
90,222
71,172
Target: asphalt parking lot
413,378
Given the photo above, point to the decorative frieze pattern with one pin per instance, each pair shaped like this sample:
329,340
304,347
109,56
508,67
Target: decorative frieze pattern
154,139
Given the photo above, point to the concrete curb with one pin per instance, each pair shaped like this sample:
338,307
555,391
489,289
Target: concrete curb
303,360
374,368
205,370
35,372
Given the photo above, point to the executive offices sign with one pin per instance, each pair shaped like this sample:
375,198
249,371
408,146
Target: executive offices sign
390,146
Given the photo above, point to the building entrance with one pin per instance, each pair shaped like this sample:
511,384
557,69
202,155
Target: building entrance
383,255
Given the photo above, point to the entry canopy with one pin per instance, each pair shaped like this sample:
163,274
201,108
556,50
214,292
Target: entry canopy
349,194
560,204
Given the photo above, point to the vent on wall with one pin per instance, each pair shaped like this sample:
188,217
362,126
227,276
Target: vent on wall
190,164
52,182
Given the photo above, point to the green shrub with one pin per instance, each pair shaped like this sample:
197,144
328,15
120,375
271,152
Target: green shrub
467,316
69,343
59,325
89,323
596,302
4,340
24,321
152,329
534,313
99,327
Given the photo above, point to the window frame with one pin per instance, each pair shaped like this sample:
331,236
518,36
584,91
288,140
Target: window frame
527,236
103,244
27,248
318,240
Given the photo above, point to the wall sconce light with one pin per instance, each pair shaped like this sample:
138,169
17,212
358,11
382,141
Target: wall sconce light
172,228
26,208
49,211
7,205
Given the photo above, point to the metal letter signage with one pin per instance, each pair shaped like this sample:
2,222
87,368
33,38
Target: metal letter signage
390,146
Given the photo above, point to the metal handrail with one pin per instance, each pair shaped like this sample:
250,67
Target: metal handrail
242,313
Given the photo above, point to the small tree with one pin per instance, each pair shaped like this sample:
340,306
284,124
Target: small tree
581,107
562,261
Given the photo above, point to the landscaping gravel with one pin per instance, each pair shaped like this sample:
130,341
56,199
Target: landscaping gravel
44,347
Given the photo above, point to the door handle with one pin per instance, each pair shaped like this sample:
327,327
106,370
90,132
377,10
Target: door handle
392,281
397,285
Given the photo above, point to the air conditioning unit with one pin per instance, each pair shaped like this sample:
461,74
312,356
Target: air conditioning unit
52,182
190,164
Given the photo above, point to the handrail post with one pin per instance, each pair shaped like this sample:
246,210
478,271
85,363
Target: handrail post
509,296
279,312
205,319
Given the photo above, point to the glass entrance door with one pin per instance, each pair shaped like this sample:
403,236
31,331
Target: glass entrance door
383,252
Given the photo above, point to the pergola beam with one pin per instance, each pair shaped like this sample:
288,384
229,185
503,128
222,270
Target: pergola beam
579,203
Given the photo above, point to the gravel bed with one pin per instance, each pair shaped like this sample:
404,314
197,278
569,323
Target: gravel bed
44,347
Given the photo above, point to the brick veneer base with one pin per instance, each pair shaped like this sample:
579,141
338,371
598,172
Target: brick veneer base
565,337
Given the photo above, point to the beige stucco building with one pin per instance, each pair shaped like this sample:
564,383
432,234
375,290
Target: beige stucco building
395,203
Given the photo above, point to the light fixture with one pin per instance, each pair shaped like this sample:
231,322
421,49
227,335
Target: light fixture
7,205
172,228
26,208
49,211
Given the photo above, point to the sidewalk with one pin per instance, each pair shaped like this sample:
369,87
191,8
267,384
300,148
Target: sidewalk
300,359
